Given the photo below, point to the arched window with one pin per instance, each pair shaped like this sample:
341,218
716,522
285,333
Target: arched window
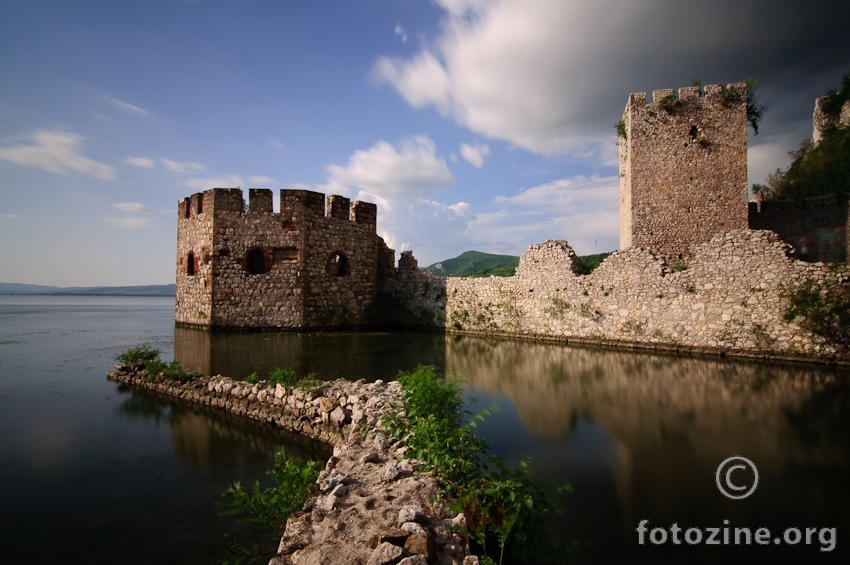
337,265
255,262
190,264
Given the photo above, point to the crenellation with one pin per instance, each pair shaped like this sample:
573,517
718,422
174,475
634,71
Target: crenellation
260,201
688,93
659,95
296,268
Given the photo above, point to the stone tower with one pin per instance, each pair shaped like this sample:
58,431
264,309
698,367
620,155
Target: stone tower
311,265
683,167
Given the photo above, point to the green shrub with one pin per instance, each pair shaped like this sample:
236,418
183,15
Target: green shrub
506,510
252,379
824,309
294,481
175,370
283,377
138,355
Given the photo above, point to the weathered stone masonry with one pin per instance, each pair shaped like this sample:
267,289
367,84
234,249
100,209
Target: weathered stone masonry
297,268
731,298
683,168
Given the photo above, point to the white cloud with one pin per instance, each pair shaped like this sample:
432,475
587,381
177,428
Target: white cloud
474,153
143,162
399,31
182,168
133,207
8,216
126,106
56,151
227,181
552,76
260,180
411,169
133,222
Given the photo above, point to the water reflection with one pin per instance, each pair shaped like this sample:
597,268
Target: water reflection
352,355
638,435
203,436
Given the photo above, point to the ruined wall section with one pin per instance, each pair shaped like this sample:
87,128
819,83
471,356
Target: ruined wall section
729,297
683,161
297,268
815,226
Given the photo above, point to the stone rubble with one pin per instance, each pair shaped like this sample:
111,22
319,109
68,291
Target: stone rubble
373,506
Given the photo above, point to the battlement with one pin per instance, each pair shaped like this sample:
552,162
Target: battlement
711,94
294,204
683,167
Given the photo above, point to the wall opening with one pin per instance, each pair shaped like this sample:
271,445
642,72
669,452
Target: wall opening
337,265
255,262
190,264
200,203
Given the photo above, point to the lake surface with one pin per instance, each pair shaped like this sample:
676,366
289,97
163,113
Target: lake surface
107,474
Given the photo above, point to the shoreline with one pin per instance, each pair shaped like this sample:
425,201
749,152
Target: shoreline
373,505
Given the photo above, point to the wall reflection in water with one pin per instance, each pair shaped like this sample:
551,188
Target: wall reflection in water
667,422
207,438
330,355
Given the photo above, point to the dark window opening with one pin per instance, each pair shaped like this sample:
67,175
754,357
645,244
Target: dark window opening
188,210
694,132
255,262
190,264
337,264
200,203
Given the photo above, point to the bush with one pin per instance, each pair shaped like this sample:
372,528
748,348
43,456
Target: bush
252,379
504,508
824,309
283,377
270,508
138,355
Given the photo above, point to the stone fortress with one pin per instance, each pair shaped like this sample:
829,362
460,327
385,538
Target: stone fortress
699,267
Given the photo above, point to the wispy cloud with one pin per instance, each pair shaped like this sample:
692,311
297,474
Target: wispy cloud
474,153
182,168
277,144
133,222
399,31
8,216
260,180
143,162
226,181
57,151
133,207
126,106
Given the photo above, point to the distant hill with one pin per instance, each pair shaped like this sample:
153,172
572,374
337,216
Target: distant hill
475,263
145,290
478,264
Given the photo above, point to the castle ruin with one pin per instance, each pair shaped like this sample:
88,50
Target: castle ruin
313,264
683,168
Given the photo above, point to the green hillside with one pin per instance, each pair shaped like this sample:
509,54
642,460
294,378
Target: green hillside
478,264
475,263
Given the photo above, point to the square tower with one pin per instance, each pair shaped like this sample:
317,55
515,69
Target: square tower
683,167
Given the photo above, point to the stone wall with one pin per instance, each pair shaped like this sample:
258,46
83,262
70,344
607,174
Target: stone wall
820,120
816,226
728,298
683,168
297,268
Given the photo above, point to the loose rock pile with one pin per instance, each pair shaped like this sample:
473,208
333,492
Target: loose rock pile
374,506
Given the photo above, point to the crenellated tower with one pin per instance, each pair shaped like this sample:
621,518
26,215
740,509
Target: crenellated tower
313,264
683,167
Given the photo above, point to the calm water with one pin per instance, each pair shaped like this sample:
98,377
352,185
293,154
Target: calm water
97,471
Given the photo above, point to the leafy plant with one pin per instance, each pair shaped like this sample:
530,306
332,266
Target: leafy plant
283,377
669,103
253,378
269,509
621,129
504,508
755,109
138,355
679,265
824,309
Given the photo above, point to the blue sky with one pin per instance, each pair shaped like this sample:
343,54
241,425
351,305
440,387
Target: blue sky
473,124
